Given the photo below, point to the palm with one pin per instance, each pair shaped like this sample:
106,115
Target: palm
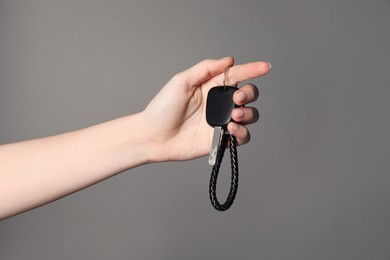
177,120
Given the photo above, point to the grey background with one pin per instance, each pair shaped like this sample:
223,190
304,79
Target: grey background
314,180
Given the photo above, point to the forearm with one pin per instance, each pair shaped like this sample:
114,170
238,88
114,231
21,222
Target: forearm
39,171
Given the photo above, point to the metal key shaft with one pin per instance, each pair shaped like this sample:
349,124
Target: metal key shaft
216,143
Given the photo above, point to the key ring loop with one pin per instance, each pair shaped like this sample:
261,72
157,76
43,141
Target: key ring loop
225,75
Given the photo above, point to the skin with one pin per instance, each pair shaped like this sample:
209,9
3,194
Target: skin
171,128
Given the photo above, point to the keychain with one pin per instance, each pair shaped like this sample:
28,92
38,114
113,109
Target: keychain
219,107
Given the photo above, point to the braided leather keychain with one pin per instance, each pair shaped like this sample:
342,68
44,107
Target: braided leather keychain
215,171
218,114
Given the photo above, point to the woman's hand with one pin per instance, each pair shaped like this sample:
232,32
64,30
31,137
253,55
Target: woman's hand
175,119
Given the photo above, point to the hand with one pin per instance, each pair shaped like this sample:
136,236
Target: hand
175,119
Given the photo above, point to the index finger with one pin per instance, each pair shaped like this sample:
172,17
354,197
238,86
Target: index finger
242,72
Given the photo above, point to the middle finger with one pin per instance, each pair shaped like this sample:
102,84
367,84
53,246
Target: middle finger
246,94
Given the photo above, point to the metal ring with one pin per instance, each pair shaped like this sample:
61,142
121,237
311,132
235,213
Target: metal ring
225,75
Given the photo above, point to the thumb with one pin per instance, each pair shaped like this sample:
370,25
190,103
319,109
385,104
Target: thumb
204,70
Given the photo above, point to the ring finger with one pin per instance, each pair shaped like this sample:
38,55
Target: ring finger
245,115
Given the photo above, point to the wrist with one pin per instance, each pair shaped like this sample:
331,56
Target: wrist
148,143
121,143
137,145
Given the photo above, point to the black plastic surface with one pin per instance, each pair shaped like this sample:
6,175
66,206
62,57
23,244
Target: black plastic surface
219,105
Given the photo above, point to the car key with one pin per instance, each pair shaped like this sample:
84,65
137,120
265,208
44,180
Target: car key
219,107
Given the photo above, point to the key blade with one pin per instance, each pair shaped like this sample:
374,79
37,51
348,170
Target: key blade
217,137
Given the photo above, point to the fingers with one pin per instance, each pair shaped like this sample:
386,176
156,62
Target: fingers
204,71
246,94
242,72
245,115
240,132
213,69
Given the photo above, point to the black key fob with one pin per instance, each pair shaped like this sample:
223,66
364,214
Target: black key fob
219,105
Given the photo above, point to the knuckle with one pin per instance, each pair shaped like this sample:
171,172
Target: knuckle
179,77
254,91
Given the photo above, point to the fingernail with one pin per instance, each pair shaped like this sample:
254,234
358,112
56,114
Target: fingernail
240,113
225,58
242,96
269,64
